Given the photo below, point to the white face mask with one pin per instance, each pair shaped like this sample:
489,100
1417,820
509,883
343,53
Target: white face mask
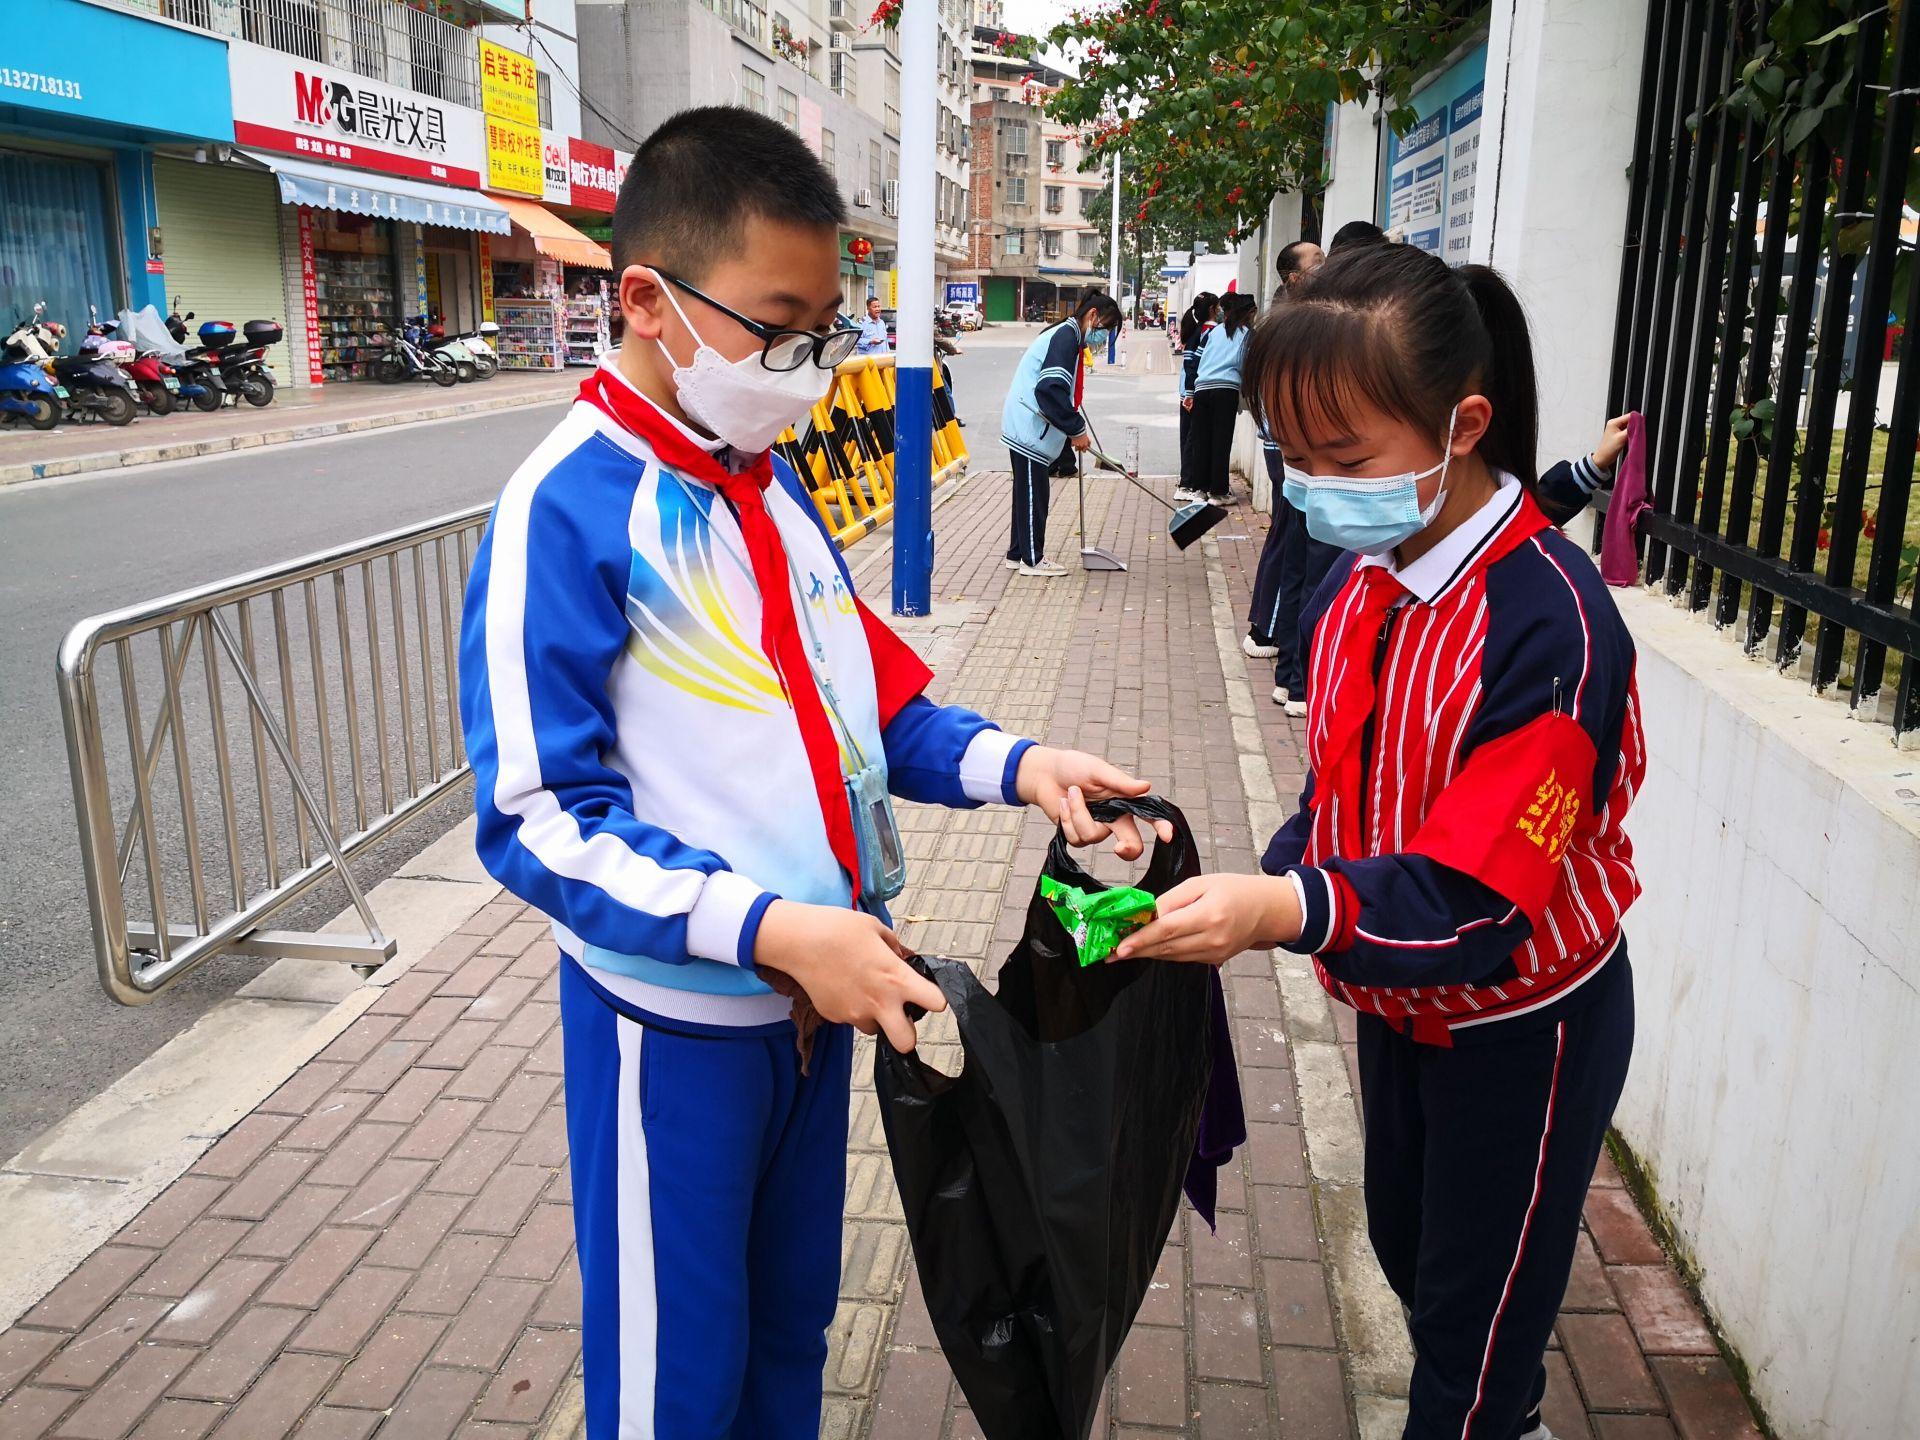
740,401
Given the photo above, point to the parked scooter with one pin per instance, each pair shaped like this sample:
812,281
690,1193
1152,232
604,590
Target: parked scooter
199,367
473,358
480,343
152,339
409,358
244,370
97,388
153,382
27,390
449,347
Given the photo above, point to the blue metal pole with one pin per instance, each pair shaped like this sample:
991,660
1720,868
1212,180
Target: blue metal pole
913,379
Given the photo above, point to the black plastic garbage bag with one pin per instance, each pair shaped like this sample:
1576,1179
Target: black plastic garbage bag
1041,1182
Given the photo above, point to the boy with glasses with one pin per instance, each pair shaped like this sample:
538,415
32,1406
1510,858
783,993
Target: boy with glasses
684,727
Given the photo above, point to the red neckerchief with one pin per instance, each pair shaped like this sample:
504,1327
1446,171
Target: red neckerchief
779,625
1349,669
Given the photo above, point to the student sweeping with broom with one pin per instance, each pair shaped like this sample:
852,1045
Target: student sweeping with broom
1042,419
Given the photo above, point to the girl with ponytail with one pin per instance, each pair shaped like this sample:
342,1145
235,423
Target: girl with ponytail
1456,870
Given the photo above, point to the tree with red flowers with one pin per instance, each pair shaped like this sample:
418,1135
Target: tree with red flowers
1219,105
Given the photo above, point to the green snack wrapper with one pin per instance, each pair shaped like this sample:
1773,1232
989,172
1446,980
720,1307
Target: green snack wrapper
1097,921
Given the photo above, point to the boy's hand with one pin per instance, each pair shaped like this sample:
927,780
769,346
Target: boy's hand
1061,782
1186,402
1212,918
849,964
1613,443
1082,441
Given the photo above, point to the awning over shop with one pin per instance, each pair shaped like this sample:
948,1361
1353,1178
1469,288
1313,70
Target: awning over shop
554,237
334,187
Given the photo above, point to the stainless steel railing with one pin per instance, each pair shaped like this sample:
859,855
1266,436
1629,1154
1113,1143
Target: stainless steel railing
324,714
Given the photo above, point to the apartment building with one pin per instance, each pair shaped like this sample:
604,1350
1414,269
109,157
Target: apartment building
1031,244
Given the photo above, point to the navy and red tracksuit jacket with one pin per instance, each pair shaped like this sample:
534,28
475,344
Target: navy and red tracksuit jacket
1474,742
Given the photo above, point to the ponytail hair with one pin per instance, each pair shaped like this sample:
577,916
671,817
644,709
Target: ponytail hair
1512,441
1196,317
1396,328
1237,312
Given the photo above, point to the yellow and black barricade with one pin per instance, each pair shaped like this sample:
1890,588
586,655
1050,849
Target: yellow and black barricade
845,455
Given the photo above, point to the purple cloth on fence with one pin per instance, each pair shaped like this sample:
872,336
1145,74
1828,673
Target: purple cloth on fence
1223,1119
1619,561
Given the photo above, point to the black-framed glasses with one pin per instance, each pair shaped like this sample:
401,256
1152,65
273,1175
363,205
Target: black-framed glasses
780,350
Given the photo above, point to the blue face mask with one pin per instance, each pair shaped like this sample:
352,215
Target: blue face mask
1369,516
1098,338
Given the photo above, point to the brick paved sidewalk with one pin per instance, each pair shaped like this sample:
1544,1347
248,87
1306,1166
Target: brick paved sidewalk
385,1245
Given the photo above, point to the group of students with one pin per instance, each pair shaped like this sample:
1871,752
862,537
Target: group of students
685,727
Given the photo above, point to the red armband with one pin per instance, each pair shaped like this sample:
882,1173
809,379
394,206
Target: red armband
1512,811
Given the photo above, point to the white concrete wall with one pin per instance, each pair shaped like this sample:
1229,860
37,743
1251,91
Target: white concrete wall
1777,975
1351,192
1563,81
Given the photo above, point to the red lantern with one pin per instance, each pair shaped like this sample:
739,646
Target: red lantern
859,248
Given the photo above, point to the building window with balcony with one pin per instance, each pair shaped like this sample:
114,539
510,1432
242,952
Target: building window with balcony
1056,199
1016,242
1056,153
999,93
293,27
1017,190
789,107
843,74
1089,245
753,89
1087,196
1050,244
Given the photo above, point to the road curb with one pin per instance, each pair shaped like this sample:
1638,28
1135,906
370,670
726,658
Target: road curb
23,471
76,1183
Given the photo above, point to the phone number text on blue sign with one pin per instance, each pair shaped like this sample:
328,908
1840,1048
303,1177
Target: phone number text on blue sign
34,82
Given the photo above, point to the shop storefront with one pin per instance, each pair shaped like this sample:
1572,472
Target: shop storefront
81,227
380,210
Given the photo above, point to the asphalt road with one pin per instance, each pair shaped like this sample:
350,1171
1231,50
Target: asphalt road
77,547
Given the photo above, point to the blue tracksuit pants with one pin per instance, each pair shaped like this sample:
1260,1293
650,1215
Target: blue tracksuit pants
709,1177
1478,1159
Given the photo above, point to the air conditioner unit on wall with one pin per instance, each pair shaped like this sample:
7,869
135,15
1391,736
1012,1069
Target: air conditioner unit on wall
863,199
890,204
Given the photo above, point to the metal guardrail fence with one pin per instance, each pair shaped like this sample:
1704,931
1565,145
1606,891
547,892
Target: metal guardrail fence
1770,262
324,714
307,710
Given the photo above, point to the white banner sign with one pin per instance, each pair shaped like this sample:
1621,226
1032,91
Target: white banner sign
292,106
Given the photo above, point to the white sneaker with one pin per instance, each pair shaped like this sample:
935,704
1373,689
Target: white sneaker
1184,496
1538,1432
1046,569
1298,709
1279,694
1254,650
1011,564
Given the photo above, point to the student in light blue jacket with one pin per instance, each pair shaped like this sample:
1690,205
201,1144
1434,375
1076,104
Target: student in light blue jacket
1215,400
1042,419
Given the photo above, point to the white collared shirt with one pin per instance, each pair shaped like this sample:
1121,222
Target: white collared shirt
1434,573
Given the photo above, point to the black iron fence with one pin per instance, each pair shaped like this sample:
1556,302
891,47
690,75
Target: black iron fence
1769,278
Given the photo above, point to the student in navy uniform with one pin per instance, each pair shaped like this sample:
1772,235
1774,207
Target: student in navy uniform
1567,488
1457,868
1292,562
1041,421
1194,324
1214,396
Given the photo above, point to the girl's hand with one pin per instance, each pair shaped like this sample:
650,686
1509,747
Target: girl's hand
1613,443
1186,403
1212,918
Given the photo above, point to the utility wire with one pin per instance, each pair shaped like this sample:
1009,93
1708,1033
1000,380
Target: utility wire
615,126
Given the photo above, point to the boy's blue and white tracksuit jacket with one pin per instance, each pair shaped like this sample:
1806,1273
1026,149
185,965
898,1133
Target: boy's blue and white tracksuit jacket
640,778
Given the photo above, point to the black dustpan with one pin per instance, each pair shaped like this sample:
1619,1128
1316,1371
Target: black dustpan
1189,521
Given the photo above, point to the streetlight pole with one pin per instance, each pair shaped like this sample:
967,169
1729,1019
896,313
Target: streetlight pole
913,365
